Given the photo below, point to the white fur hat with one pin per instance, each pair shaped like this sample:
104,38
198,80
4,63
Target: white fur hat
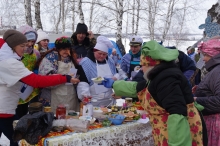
103,44
42,36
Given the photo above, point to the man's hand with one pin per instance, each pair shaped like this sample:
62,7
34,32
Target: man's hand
91,35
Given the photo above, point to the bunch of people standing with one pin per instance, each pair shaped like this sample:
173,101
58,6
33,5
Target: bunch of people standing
160,77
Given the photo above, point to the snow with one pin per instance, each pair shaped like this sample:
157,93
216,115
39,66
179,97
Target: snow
4,141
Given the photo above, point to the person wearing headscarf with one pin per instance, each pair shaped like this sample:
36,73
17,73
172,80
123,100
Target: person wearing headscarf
166,96
207,93
60,61
82,41
98,64
13,73
31,56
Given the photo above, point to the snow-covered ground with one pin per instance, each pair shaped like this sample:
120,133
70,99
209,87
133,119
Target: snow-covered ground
4,141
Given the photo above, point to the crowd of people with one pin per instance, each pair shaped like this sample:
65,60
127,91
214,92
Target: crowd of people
182,99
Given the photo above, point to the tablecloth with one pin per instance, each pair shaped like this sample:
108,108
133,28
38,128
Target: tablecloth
129,134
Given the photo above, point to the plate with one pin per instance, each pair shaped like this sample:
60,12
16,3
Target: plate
98,81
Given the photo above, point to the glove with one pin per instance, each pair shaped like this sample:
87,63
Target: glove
108,82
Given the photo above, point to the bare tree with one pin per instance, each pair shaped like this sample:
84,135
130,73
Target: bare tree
169,15
73,15
119,6
152,13
181,24
58,19
63,15
138,17
81,16
91,14
27,6
37,15
133,15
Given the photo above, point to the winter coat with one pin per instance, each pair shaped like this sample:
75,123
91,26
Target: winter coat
82,49
208,91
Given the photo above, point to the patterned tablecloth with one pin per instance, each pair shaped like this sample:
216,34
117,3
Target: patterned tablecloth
129,134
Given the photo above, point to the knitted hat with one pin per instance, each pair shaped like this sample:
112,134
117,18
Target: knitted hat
62,42
136,41
81,28
14,38
29,32
152,52
103,44
42,36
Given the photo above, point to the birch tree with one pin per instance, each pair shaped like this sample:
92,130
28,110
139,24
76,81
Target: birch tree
181,24
58,18
27,6
119,6
91,14
152,13
73,15
81,16
37,15
133,16
138,17
168,18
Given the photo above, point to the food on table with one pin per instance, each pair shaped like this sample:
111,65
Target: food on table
104,109
106,123
96,108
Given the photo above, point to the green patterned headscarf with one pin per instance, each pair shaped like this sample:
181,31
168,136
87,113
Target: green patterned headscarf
157,52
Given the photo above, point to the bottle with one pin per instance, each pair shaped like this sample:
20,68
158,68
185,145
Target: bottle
88,109
61,112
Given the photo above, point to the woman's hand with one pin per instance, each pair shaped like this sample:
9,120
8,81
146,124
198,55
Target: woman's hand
74,80
194,89
86,99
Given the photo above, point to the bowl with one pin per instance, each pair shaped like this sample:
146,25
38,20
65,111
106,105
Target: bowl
98,81
116,119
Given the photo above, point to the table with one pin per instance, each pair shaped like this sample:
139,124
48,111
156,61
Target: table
129,134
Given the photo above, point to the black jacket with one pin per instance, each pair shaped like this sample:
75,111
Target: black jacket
170,88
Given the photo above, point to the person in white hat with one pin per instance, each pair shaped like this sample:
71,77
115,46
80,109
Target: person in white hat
42,42
131,61
98,64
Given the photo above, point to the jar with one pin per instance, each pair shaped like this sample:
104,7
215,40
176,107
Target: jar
61,112
47,109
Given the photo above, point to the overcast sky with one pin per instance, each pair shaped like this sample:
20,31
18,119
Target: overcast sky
205,6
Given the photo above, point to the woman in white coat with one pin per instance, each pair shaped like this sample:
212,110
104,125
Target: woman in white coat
98,64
